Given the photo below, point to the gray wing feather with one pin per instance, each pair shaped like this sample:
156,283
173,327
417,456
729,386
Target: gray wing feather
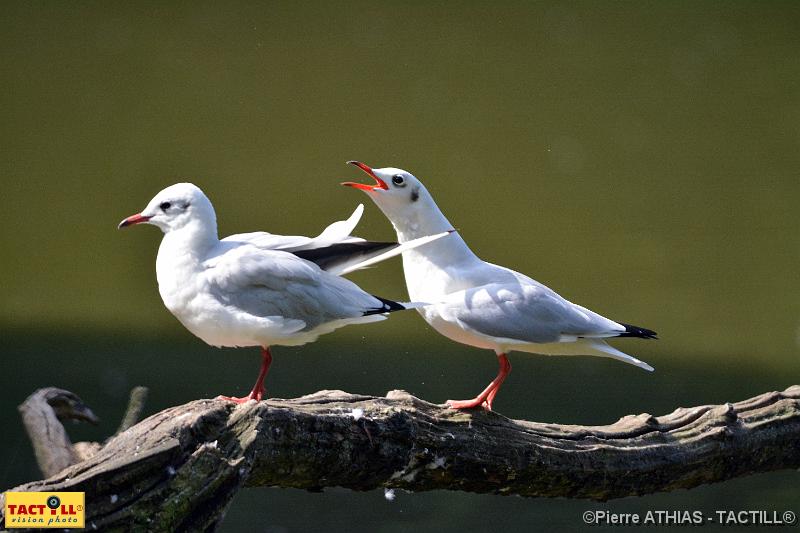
274,283
524,312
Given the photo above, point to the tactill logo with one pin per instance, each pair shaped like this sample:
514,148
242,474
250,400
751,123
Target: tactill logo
62,510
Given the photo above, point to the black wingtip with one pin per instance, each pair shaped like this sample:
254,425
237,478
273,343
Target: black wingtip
636,331
389,306
343,252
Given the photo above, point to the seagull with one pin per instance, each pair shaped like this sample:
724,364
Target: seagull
260,289
481,304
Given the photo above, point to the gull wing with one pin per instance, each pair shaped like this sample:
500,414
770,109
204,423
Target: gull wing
530,313
525,313
337,257
274,284
338,232
334,250
378,255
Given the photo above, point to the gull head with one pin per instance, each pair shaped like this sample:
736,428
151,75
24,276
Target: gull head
176,207
397,193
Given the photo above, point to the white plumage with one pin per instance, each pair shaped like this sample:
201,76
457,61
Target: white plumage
481,304
257,289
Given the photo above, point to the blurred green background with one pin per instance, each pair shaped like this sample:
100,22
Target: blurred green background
641,158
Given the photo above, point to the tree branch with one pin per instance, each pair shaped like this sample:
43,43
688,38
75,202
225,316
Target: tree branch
135,408
181,467
42,414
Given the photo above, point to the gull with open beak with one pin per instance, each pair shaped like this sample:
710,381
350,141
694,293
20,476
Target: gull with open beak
260,289
481,304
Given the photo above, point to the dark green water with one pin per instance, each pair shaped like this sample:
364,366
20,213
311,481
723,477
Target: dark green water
639,157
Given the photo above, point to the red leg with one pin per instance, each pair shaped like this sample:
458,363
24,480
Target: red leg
258,389
505,370
486,398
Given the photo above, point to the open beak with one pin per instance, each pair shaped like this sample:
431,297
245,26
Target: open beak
133,219
379,183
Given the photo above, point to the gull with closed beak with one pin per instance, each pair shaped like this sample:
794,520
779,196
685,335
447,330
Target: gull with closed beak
260,289
481,304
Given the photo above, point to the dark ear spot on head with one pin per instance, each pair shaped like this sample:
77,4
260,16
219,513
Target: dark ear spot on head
415,194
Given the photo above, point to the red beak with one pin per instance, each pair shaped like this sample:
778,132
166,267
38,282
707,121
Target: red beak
379,183
133,219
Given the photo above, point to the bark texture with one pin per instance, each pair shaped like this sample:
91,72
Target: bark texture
180,468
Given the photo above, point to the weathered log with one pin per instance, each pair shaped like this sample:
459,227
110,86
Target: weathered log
180,468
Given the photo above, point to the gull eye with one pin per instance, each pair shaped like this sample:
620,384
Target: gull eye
165,205
398,180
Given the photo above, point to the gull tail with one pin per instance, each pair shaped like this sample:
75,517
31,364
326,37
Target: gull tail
605,350
636,331
390,306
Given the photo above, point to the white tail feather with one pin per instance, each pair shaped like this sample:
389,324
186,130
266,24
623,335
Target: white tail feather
609,351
